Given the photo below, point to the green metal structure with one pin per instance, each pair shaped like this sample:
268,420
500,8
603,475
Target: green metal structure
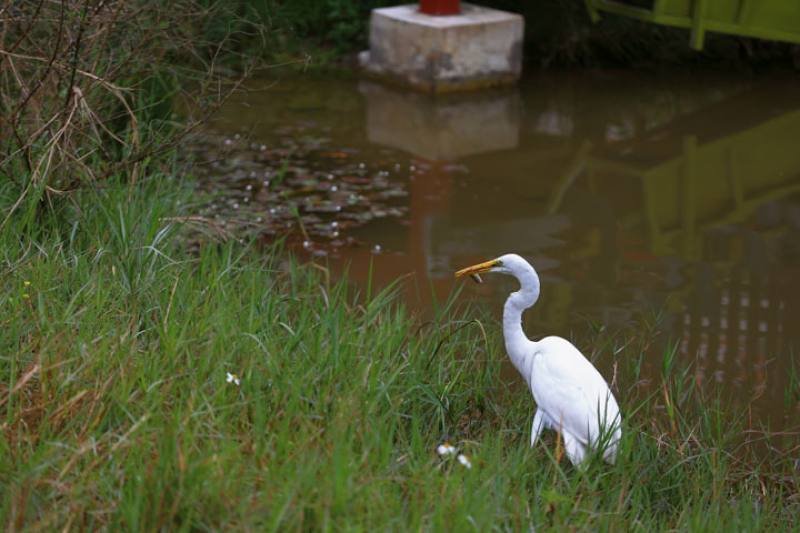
776,20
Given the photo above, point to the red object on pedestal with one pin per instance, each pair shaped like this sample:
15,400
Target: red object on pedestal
440,7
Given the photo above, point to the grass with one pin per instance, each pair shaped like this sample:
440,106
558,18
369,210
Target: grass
115,411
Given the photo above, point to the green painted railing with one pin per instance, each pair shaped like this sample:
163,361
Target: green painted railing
776,20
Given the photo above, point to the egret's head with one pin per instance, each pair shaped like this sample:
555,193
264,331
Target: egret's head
505,264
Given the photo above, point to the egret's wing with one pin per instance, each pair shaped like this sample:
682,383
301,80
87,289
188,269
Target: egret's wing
570,390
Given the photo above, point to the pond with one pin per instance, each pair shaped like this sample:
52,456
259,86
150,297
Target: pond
667,204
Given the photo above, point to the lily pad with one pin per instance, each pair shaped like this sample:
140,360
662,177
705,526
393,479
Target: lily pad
295,185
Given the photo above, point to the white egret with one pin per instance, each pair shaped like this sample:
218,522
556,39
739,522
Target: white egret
572,397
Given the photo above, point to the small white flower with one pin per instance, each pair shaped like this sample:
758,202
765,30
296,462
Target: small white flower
464,460
233,378
446,449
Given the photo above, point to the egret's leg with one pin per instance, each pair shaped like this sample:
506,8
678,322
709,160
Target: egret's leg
610,453
537,427
575,449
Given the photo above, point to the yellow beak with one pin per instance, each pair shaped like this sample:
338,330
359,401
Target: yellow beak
477,269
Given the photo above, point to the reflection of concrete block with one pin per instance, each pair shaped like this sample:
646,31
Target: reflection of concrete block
478,48
441,128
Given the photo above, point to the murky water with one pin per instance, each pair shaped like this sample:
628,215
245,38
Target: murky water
668,201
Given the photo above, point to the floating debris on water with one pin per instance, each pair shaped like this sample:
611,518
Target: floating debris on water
289,179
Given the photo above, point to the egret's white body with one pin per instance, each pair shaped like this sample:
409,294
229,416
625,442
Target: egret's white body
572,397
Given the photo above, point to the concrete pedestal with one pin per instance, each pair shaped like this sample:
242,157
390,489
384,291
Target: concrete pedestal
480,47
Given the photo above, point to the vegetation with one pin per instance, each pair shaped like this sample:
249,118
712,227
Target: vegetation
557,33
116,341
116,412
87,90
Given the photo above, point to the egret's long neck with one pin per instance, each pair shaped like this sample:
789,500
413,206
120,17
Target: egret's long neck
518,346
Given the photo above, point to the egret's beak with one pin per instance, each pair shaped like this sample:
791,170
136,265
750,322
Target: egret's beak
478,269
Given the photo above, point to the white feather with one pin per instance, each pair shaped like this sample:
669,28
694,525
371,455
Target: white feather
574,396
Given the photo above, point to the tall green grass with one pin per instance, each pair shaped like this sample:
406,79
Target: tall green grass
116,414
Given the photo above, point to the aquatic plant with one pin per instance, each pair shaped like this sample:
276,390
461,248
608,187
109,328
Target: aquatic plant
301,189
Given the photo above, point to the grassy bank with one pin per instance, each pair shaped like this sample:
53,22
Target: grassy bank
116,413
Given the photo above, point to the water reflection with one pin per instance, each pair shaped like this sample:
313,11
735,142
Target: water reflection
692,215
441,128
676,197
